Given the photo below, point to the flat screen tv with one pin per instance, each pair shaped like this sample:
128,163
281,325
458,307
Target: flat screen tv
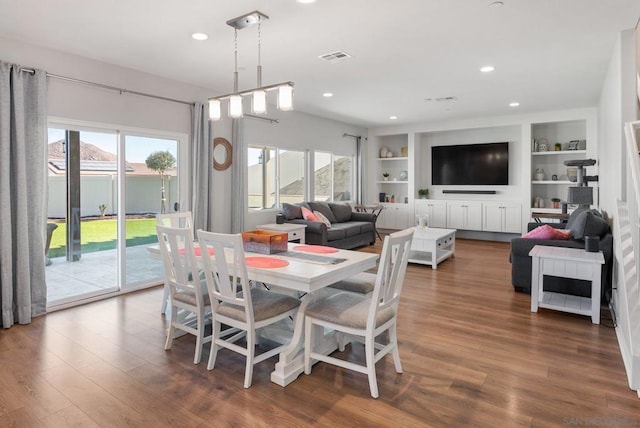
470,164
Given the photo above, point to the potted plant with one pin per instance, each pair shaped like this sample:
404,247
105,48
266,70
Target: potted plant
556,202
385,175
558,147
423,193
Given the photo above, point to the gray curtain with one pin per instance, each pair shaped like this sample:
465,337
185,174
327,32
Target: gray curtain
202,162
238,205
23,97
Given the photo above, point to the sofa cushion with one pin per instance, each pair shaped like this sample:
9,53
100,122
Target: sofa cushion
291,211
322,218
335,233
547,232
589,223
341,211
350,228
572,218
308,215
323,207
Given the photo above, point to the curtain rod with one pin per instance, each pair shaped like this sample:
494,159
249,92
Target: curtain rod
268,119
113,88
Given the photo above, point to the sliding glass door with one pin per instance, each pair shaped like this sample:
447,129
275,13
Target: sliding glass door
105,189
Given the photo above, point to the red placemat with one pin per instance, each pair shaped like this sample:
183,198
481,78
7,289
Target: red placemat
265,262
316,249
196,251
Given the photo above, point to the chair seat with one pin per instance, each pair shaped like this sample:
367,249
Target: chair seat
266,304
189,297
348,309
362,283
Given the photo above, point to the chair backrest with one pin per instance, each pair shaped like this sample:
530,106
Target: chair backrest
181,219
391,270
226,270
179,259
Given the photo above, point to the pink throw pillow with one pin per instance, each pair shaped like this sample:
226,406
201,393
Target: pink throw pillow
547,232
308,215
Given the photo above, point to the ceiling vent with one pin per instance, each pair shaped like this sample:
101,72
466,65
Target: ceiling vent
446,99
335,56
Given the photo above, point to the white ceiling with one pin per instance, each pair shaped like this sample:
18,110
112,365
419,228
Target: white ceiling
548,54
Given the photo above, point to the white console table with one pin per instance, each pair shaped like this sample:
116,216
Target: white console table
566,263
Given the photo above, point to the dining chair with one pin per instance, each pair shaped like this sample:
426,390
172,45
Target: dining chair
236,303
364,317
363,283
181,219
187,290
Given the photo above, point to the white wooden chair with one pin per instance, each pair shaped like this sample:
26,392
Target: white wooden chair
236,303
364,316
187,291
180,219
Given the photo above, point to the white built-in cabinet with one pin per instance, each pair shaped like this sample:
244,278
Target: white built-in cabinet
466,215
501,217
436,211
395,216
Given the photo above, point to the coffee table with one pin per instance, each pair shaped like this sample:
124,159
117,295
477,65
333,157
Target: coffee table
432,245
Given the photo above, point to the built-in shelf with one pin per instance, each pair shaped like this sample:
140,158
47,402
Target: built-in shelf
392,182
553,182
394,158
559,152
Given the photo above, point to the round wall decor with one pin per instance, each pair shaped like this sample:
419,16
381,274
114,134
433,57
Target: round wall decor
222,153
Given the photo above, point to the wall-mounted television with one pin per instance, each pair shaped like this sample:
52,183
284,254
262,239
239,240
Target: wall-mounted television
470,164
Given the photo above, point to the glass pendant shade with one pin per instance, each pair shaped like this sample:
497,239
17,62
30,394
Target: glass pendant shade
214,110
285,98
235,106
259,102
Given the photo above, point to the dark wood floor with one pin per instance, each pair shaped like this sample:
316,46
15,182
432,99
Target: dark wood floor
473,355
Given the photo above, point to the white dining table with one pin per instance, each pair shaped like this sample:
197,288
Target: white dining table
310,278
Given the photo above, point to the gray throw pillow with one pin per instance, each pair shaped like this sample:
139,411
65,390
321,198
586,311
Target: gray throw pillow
341,211
292,212
572,218
588,223
323,207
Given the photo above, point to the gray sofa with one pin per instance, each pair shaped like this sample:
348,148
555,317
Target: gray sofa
348,229
581,223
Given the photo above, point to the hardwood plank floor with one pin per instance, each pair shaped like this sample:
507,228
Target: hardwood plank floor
472,352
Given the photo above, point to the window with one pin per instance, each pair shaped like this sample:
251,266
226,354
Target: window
333,177
274,176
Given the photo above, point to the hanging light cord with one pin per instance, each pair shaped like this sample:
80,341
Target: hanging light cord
235,58
259,56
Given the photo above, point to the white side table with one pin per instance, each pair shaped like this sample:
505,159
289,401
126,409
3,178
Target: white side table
566,263
295,231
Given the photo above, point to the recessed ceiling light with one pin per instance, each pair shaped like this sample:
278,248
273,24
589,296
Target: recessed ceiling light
393,117
487,68
306,1
514,104
327,95
199,36
496,4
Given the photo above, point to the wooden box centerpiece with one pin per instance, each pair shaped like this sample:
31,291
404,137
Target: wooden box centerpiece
264,241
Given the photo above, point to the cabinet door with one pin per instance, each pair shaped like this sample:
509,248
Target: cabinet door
512,218
455,215
402,217
473,216
438,214
492,220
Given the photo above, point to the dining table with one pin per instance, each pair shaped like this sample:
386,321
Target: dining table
307,271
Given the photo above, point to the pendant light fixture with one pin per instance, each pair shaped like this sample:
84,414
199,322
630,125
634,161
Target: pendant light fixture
258,94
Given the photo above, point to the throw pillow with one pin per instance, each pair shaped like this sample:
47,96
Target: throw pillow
589,223
547,232
290,211
308,215
341,211
322,218
323,207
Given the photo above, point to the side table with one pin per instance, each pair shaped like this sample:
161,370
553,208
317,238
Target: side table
566,263
295,231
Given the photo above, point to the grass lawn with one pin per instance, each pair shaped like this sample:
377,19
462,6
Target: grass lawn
99,235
